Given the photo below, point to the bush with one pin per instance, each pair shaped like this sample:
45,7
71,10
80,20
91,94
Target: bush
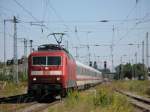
107,100
72,98
22,77
6,77
103,98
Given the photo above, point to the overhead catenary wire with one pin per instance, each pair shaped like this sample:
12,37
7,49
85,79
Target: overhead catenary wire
28,12
137,22
95,21
79,30
131,11
130,30
58,15
125,35
60,19
45,5
36,21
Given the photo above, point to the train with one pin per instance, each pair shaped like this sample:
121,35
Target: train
53,70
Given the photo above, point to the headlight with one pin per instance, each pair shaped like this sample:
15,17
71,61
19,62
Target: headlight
34,79
58,78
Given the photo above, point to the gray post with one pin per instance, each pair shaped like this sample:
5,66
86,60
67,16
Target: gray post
67,45
135,57
89,55
77,56
25,47
132,70
143,52
31,41
112,48
15,50
4,48
147,51
121,72
25,56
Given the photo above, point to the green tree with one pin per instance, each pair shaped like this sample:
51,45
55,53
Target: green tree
127,71
118,72
138,71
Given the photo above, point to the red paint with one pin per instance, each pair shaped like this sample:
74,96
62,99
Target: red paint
68,68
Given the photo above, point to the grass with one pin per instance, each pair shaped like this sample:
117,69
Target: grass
140,87
10,77
11,89
101,99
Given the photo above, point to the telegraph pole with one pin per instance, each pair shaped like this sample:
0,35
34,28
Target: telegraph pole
135,57
112,60
112,48
143,52
77,56
25,56
88,51
88,48
15,50
25,47
147,51
67,45
5,20
4,48
121,69
15,61
89,55
31,41
132,69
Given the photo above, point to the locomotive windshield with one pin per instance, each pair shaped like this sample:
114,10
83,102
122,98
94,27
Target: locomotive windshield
39,60
46,60
54,60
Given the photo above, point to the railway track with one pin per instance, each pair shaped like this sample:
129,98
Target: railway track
27,103
138,101
38,107
16,102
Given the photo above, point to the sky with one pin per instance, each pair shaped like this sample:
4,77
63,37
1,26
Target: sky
81,21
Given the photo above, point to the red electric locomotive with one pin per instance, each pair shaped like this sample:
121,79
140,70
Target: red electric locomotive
52,70
48,70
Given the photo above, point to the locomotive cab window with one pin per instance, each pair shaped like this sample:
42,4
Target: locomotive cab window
46,60
39,60
54,60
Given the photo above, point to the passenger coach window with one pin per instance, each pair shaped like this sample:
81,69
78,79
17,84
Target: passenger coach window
39,60
54,60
